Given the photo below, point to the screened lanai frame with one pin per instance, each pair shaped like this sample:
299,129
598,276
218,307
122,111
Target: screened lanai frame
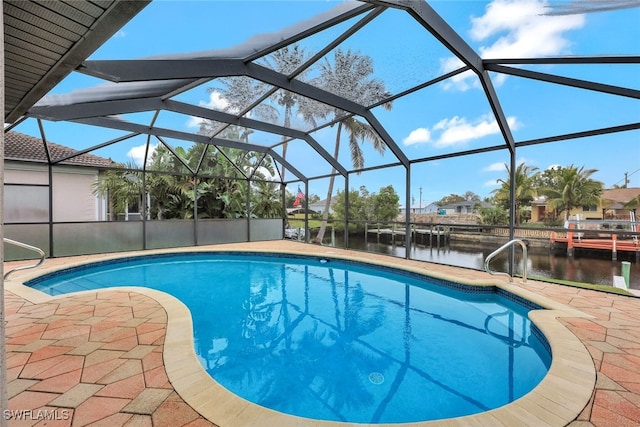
153,84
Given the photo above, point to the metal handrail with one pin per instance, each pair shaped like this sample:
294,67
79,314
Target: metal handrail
25,246
523,245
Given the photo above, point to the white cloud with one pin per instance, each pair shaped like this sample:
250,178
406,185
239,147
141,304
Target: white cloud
194,122
215,102
457,131
494,167
499,166
463,81
524,29
136,154
516,29
451,63
417,136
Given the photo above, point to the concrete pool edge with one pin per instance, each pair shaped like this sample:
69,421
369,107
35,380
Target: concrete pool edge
557,400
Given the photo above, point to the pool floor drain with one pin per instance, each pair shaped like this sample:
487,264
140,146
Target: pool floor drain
376,378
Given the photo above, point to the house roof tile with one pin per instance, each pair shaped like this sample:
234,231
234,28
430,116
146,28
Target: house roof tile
613,198
621,195
18,146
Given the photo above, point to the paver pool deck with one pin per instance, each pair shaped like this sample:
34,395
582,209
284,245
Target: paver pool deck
102,358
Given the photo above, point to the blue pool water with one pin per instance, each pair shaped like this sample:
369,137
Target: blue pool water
337,340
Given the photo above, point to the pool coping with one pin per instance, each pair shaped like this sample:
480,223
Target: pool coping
557,400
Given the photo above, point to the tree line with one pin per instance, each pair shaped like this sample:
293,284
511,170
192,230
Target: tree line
563,187
170,189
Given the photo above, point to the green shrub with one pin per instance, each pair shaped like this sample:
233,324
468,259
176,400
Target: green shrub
494,216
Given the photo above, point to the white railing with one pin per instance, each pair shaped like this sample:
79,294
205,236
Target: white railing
500,249
25,246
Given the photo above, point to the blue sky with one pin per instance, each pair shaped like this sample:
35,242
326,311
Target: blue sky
444,118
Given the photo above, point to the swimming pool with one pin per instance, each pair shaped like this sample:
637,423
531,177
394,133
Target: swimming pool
349,342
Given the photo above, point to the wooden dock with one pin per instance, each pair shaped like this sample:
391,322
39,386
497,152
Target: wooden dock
615,245
425,237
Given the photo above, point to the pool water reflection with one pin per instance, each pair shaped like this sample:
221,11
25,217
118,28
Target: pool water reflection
335,343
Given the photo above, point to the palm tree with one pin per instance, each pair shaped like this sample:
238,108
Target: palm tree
286,61
525,189
169,194
633,204
267,203
573,187
349,77
240,92
266,195
121,188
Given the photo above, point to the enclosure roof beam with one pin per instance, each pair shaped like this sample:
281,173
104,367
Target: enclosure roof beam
566,81
426,16
395,149
265,150
95,147
127,71
206,113
112,123
325,155
221,116
305,89
144,70
94,110
583,134
498,112
87,110
286,164
608,59
321,26
173,151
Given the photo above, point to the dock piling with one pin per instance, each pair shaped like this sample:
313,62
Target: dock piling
366,234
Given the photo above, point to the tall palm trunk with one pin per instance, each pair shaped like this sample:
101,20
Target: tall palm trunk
112,208
287,124
327,203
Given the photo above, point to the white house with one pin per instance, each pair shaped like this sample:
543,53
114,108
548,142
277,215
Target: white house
464,207
320,205
424,208
26,182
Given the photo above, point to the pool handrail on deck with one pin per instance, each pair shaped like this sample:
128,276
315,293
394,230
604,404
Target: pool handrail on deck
493,254
25,246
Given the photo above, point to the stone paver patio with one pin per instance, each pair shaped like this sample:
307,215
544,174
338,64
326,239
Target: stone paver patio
97,358
91,359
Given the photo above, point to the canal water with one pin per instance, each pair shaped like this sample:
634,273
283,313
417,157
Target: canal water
587,267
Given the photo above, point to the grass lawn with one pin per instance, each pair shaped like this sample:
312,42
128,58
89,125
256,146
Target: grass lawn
604,288
299,223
